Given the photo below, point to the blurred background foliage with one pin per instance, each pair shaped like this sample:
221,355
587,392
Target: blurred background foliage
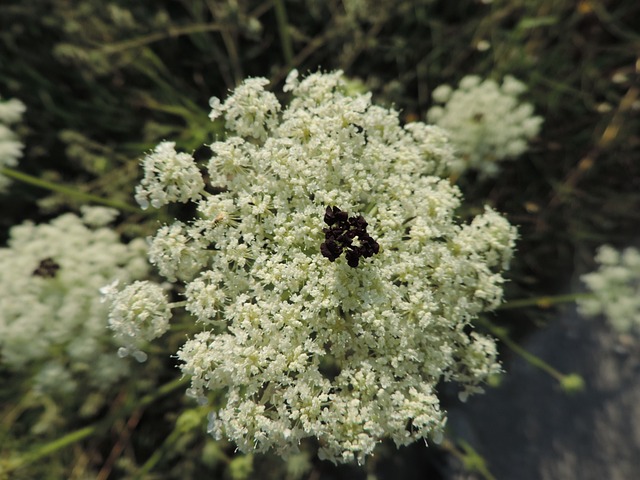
104,82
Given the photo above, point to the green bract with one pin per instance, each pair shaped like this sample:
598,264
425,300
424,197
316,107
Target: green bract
307,346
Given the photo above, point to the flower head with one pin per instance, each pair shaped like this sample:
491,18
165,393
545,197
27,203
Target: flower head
168,177
615,287
306,341
139,313
51,317
486,121
10,148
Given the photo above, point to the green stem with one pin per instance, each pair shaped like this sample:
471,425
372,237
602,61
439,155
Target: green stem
52,447
472,460
570,382
475,462
162,391
54,187
528,356
158,454
283,29
543,302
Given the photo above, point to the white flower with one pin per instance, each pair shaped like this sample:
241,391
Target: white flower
616,288
98,216
292,81
138,313
486,121
178,251
10,148
442,93
251,111
168,177
332,285
51,317
11,111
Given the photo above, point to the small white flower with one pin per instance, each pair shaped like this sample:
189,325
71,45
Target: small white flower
11,112
616,288
291,81
168,177
442,93
251,111
98,216
138,313
485,121
178,251
216,108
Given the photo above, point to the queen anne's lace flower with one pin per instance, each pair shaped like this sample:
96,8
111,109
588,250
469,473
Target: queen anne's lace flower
51,318
140,313
616,288
168,177
10,148
306,341
486,121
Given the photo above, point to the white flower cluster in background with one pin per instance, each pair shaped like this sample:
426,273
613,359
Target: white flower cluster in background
303,340
615,287
53,324
370,11
487,122
10,147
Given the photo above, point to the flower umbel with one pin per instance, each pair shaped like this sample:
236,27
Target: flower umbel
301,342
616,288
168,177
10,147
51,317
139,313
486,121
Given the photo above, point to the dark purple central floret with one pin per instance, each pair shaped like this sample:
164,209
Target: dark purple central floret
340,234
47,268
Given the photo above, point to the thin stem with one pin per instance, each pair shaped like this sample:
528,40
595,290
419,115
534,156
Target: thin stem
543,302
159,36
471,459
570,382
52,447
162,391
71,192
283,29
528,356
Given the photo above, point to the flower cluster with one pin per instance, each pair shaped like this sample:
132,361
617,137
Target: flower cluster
615,287
168,177
486,121
370,11
304,347
51,318
10,148
341,234
140,314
